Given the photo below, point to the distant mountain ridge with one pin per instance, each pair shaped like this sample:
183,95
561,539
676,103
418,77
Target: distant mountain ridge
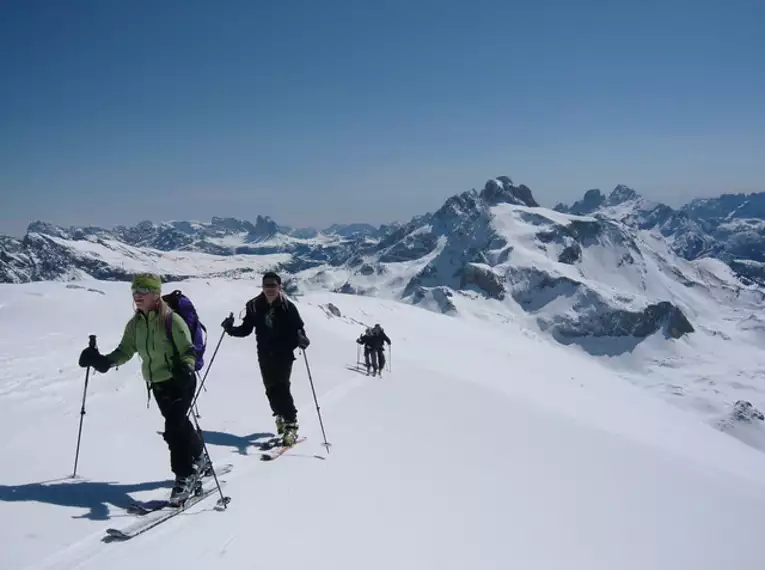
199,236
616,266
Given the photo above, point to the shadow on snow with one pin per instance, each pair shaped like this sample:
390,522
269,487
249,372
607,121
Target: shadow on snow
95,496
358,368
239,442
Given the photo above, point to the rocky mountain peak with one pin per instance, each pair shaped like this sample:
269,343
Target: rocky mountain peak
501,190
231,225
592,200
45,228
264,227
622,194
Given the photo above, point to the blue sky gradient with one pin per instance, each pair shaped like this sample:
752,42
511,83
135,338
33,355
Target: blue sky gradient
349,110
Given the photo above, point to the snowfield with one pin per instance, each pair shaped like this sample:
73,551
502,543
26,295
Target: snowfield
132,259
487,445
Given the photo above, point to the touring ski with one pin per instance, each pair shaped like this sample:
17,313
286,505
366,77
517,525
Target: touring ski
153,513
270,443
279,451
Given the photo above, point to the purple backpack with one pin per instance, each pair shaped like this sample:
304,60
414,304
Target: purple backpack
182,305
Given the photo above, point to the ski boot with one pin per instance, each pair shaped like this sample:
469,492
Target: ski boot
202,466
280,423
184,488
290,433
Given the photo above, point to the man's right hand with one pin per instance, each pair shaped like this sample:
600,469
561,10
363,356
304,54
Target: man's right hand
228,323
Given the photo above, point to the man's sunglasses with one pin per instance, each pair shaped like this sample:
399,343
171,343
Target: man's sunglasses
270,285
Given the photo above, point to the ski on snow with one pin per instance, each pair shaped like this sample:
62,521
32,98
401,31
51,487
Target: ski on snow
152,513
278,450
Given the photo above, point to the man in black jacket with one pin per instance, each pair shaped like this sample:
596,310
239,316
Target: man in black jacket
279,330
373,340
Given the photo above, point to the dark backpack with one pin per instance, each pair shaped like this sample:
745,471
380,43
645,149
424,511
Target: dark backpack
182,305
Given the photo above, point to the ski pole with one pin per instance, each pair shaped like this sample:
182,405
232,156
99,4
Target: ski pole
199,390
316,401
224,501
91,344
358,355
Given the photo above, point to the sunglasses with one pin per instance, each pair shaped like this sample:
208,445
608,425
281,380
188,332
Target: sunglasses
142,291
270,285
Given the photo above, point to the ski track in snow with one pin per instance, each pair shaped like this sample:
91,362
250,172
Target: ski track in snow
487,445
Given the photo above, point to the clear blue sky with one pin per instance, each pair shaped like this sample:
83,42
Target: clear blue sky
323,111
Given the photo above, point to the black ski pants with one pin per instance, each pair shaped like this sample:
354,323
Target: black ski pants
174,400
276,372
377,358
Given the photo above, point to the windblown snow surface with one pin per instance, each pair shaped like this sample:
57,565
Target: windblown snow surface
486,446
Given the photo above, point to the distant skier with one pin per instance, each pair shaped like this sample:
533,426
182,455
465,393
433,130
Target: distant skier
279,330
366,342
374,349
170,378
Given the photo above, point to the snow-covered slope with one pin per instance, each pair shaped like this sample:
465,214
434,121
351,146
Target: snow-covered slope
111,259
730,227
486,446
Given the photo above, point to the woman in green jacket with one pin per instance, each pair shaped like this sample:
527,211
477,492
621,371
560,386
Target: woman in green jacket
163,342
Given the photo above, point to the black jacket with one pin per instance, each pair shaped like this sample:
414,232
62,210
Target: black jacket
277,327
373,340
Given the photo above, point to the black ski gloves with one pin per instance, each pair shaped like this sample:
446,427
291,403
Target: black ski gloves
303,341
182,372
91,357
228,323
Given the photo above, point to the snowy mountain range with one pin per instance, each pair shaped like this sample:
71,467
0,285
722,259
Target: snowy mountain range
178,249
616,266
730,227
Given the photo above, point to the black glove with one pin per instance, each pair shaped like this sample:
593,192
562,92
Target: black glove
91,357
228,323
303,341
182,372
87,356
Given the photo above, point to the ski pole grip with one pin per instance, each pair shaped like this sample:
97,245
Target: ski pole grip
92,341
